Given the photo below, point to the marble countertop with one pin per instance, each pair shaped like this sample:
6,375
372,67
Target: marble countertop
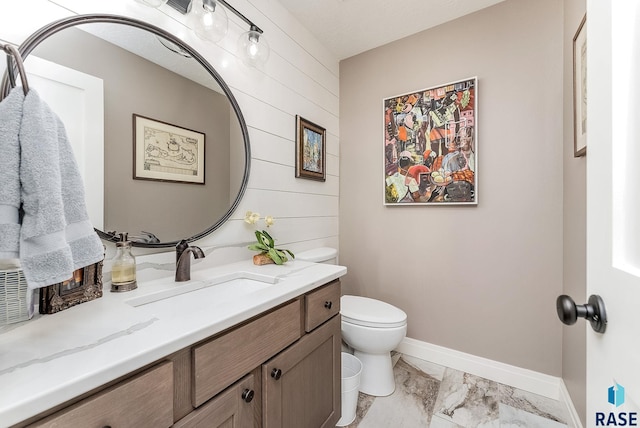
54,358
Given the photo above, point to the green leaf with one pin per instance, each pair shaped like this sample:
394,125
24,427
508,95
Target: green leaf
258,247
273,254
264,238
284,255
259,238
271,240
290,253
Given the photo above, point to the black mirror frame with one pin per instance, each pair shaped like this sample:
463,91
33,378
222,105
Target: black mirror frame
48,30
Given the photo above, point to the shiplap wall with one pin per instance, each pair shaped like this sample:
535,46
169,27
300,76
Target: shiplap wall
300,78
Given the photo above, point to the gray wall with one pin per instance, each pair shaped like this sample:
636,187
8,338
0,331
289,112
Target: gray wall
484,279
154,92
574,338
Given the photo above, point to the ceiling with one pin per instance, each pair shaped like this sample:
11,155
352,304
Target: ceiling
349,27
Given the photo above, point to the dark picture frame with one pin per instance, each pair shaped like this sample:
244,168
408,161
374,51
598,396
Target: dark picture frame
83,286
311,150
580,90
167,152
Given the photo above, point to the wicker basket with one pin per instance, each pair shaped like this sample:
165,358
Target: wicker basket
13,297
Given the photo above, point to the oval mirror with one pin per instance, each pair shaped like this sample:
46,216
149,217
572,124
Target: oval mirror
176,156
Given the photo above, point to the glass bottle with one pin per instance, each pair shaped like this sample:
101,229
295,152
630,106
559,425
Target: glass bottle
123,269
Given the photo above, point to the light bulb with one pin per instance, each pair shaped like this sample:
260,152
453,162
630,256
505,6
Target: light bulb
152,3
253,48
209,20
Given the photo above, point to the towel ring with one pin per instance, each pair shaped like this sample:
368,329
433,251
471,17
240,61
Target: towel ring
12,52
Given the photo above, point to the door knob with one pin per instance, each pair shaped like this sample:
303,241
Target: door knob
594,311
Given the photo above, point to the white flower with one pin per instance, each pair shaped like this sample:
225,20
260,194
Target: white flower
269,220
251,217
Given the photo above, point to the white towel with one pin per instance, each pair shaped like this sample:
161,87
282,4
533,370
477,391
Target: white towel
56,236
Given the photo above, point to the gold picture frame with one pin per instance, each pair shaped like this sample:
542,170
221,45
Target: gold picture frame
311,150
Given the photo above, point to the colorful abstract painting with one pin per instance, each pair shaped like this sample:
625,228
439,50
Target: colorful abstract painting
430,146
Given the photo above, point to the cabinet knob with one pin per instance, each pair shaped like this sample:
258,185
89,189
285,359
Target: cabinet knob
247,395
328,304
276,374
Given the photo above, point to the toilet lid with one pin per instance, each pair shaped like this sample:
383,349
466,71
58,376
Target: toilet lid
321,254
370,312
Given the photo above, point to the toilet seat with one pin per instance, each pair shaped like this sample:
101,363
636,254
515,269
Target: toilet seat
373,313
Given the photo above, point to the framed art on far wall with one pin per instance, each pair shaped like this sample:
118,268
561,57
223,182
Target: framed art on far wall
165,152
430,146
580,90
311,150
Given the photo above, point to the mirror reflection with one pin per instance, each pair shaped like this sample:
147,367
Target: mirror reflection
101,78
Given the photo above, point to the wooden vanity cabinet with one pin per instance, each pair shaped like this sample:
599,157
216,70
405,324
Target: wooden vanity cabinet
279,369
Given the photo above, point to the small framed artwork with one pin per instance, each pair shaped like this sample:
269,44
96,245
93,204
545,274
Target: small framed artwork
430,146
83,286
165,152
311,150
580,90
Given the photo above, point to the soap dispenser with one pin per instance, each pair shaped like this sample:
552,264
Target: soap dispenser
123,269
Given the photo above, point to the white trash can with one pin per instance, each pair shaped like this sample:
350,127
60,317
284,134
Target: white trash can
351,371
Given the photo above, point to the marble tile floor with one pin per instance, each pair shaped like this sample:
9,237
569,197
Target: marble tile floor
432,396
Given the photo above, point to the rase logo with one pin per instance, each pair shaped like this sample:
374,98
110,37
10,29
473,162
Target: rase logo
615,396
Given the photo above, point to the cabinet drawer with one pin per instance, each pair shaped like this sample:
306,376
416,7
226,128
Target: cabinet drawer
145,400
321,304
220,362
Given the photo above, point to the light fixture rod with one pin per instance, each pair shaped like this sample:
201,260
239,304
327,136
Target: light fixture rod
253,27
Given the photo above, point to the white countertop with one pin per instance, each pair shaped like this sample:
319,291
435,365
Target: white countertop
54,358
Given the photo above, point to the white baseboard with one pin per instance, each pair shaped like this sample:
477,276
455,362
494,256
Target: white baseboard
565,398
527,380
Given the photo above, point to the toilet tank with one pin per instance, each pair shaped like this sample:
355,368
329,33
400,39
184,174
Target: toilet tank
319,255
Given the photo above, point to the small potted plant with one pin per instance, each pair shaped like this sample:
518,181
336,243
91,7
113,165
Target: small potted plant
266,244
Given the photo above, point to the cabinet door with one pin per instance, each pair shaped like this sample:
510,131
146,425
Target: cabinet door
301,385
233,408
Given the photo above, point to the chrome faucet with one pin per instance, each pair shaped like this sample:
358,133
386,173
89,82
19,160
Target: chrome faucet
183,259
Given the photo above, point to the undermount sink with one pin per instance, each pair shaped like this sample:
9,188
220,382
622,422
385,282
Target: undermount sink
220,288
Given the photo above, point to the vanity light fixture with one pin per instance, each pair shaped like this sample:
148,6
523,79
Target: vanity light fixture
210,22
253,48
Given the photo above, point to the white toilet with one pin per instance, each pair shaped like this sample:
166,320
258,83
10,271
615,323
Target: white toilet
371,327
